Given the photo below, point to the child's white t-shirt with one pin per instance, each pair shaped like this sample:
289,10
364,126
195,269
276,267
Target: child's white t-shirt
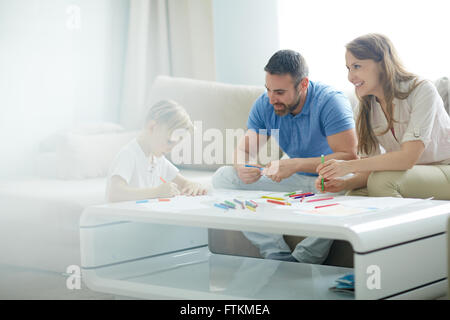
138,170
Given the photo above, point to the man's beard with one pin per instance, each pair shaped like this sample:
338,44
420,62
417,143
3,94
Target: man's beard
287,108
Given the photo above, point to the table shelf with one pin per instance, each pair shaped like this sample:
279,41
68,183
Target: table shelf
200,274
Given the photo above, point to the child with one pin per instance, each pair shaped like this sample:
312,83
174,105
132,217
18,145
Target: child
140,170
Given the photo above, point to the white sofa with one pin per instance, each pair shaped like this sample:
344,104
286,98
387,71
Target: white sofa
39,217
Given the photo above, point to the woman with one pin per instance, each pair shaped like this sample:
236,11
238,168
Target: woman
405,116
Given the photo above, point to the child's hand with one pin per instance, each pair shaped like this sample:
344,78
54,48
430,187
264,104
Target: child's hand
167,190
193,189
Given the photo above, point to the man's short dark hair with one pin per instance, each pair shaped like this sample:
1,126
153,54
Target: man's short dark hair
288,62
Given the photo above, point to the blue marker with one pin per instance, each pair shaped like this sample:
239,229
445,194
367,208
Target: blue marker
221,206
249,166
142,201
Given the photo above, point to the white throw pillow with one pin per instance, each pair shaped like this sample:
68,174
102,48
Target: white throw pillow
57,139
84,156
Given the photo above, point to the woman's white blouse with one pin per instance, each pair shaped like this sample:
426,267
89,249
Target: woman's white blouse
421,116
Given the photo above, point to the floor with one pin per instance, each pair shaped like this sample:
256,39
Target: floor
18,283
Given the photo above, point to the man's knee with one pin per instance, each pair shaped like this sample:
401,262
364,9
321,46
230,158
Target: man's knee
224,178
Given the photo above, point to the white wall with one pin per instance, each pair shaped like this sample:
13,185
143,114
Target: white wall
320,30
245,36
57,68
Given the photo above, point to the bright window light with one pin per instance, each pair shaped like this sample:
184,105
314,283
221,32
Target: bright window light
320,29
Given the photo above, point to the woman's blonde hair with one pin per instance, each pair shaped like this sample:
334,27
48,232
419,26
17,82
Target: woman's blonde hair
380,49
171,114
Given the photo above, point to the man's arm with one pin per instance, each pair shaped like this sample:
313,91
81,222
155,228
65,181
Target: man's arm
343,145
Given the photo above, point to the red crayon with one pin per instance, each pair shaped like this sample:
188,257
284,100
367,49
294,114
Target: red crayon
279,202
320,199
326,205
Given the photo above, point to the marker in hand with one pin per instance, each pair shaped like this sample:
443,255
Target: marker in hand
250,166
322,159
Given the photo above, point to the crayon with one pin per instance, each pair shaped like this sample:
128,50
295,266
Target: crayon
326,205
320,199
279,202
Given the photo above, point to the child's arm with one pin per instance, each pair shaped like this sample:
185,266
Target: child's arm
119,190
189,188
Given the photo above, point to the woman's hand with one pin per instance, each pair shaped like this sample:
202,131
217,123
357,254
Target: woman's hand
332,186
334,169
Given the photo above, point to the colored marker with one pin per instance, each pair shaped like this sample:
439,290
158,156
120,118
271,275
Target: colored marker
227,205
248,203
279,202
305,195
142,201
326,205
221,206
163,199
230,204
290,194
300,194
250,166
251,208
240,202
273,198
164,181
254,203
322,159
320,199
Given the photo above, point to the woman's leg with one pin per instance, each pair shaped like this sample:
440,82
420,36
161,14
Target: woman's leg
421,181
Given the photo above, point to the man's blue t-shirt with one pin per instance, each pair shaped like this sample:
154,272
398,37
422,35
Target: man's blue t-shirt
325,112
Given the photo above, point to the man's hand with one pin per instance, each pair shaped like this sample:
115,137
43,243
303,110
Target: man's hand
280,169
247,174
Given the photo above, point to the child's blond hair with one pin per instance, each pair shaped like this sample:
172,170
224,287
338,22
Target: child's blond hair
171,114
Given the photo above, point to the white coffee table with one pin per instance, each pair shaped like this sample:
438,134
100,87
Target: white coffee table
160,250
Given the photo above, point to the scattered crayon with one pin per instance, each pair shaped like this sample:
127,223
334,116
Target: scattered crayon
221,206
326,205
251,208
320,199
279,202
273,198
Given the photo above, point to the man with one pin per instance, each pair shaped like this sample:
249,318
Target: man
312,119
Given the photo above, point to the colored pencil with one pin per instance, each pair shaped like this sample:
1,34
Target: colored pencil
320,199
326,205
220,206
279,202
273,198
300,194
322,159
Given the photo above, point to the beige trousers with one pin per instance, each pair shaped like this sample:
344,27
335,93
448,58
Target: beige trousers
421,181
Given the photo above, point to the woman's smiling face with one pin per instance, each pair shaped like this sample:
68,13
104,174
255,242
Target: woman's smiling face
365,76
